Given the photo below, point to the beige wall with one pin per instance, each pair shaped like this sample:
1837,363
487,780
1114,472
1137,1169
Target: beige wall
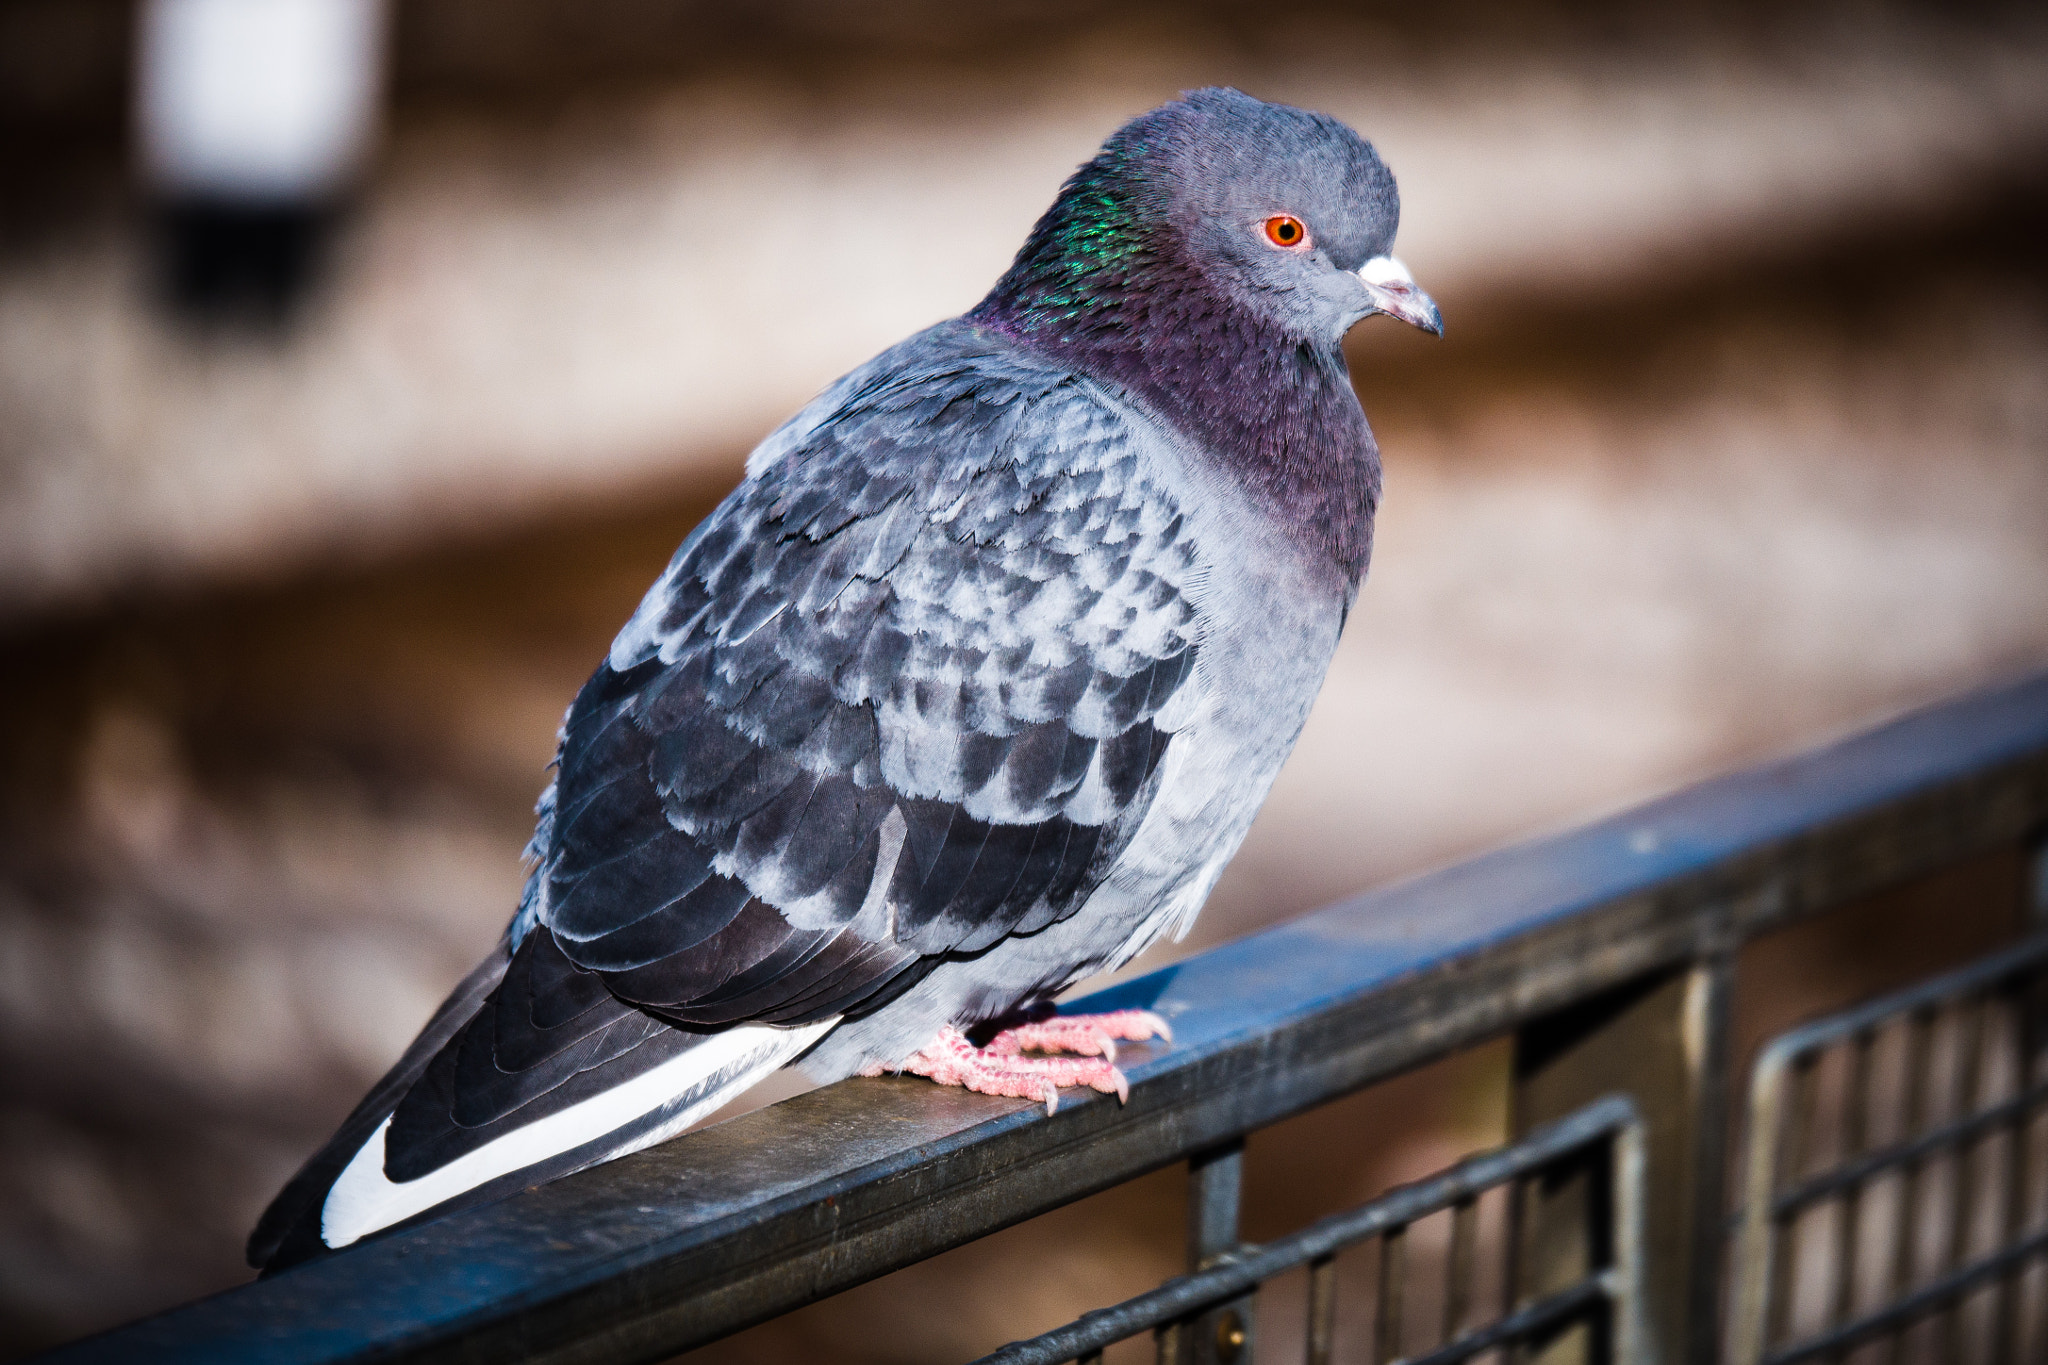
553,304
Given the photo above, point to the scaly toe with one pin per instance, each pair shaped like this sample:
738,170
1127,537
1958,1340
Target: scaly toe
1089,1035
950,1059
1055,1035
1134,1026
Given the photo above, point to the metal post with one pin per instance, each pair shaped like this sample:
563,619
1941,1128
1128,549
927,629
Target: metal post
1919,1048
1322,1309
1223,1335
1458,1270
1393,1290
1628,1173
2030,1029
1663,1041
2035,905
1849,1215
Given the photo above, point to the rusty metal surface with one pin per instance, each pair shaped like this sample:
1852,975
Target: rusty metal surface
735,1224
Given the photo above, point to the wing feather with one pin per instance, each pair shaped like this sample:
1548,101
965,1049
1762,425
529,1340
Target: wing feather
898,698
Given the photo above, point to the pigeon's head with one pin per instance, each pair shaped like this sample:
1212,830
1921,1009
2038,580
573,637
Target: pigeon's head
1289,210
1218,197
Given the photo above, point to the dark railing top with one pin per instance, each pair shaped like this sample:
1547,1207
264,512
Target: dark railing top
736,1223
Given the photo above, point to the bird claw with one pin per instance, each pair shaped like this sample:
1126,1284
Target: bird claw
1089,1035
1083,1048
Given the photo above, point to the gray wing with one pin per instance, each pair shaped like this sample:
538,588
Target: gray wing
898,698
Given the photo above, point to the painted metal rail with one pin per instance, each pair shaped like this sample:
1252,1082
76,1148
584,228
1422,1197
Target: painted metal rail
1608,954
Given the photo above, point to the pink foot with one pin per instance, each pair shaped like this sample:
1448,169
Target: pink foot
1002,1068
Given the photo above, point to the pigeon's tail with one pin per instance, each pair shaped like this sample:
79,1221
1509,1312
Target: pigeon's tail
289,1231
489,1100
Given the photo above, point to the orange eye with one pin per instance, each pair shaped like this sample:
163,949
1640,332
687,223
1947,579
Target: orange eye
1284,229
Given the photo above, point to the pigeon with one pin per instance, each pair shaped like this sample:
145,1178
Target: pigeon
968,692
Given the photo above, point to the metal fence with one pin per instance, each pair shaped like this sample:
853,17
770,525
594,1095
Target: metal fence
1609,955
1207,1315
1853,1235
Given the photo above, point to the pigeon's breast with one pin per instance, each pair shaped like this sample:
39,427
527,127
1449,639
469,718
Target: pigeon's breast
1269,615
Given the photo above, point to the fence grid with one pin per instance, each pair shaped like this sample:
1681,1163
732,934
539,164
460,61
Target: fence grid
1604,1140
1851,1235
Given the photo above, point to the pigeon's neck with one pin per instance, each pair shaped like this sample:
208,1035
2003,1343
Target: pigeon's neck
1276,411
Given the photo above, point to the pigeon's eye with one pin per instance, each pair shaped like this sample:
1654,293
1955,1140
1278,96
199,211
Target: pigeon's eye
1285,230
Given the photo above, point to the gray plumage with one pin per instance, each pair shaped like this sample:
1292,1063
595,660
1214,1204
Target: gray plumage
969,690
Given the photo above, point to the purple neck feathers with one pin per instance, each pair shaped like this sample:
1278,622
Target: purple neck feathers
1126,305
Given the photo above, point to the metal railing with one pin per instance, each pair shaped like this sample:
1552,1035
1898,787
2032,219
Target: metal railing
1891,1231
1608,955
1204,1314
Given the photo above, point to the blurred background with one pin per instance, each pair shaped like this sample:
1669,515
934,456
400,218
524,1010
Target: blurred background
360,365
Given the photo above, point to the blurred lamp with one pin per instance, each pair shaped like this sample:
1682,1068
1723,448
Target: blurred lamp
254,117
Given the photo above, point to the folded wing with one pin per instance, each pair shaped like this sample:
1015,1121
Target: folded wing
904,694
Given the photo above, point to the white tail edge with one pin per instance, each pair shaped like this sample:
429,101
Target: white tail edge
363,1199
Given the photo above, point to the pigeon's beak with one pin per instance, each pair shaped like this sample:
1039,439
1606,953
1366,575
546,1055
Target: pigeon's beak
1394,292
